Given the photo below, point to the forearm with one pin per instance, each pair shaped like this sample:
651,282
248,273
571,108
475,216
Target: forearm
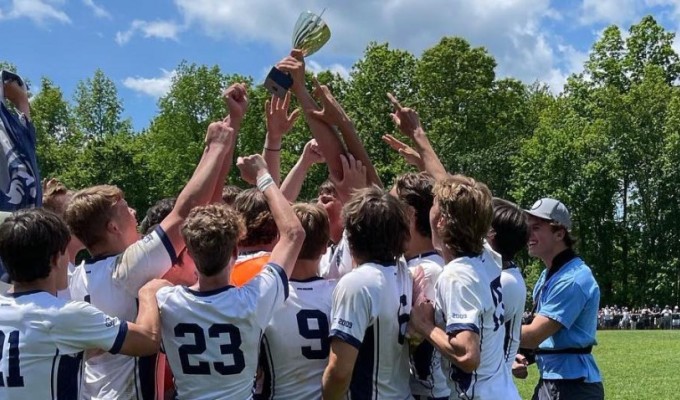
449,348
329,142
357,149
206,175
334,387
292,185
530,338
272,156
430,161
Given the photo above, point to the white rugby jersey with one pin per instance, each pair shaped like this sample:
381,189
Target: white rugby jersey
427,377
469,297
371,306
111,284
296,343
514,299
41,337
212,339
337,261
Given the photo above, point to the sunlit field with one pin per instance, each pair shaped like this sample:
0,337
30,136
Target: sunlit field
634,365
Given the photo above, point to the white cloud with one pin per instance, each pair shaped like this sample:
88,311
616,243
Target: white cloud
39,11
335,68
154,87
98,10
157,29
609,11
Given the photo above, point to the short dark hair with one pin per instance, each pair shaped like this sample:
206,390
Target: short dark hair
327,187
510,225
568,240
211,233
28,241
314,220
415,189
157,213
229,193
260,225
376,225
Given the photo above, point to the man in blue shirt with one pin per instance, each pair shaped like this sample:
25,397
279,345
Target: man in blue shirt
566,301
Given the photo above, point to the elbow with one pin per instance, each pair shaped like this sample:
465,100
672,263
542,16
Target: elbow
335,382
469,362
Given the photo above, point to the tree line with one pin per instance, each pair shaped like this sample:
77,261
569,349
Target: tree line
608,145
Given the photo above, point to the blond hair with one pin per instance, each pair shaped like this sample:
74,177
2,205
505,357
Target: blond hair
90,210
466,208
53,196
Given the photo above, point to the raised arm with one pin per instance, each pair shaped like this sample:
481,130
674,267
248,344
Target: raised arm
201,187
15,91
279,122
292,185
407,152
236,100
333,114
291,235
408,122
329,142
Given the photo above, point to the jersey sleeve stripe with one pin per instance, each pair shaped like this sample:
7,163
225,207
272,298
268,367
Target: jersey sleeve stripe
167,244
284,277
120,338
452,328
346,337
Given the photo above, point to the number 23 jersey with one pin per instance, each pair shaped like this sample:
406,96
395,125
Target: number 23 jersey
212,339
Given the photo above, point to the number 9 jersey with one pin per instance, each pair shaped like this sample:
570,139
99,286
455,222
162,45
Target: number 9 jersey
212,338
296,345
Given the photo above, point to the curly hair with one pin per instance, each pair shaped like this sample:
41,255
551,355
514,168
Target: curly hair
211,233
376,224
466,209
56,196
156,213
229,193
260,225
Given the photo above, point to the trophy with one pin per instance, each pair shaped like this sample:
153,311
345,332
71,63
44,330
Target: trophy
309,35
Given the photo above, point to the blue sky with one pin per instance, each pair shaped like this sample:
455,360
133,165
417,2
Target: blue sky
139,43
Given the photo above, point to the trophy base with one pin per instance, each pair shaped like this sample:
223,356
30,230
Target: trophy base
278,82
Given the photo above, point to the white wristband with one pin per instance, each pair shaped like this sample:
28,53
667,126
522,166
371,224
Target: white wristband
264,182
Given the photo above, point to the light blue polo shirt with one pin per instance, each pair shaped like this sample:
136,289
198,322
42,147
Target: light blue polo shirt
571,297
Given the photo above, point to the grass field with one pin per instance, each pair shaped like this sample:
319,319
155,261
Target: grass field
634,365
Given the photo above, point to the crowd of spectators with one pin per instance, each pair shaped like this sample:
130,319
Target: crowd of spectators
615,317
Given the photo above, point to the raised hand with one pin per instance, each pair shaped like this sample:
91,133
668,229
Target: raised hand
353,177
236,98
331,112
294,64
312,153
405,118
219,132
251,168
409,154
279,122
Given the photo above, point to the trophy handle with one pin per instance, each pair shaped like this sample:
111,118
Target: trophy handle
278,82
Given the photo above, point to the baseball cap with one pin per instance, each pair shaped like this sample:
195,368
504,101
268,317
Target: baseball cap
551,209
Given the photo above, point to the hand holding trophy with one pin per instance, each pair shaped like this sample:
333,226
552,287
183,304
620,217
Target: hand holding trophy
309,35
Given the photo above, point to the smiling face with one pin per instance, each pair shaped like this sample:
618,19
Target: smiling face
545,242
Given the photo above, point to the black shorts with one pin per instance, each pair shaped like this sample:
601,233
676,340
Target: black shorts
568,389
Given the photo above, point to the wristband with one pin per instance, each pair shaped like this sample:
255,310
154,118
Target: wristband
264,182
268,149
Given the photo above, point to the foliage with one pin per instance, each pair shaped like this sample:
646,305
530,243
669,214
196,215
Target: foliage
608,146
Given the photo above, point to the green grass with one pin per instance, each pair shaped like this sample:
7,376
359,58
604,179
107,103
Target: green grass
634,365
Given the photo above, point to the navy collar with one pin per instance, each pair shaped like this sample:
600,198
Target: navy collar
209,292
310,279
423,255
